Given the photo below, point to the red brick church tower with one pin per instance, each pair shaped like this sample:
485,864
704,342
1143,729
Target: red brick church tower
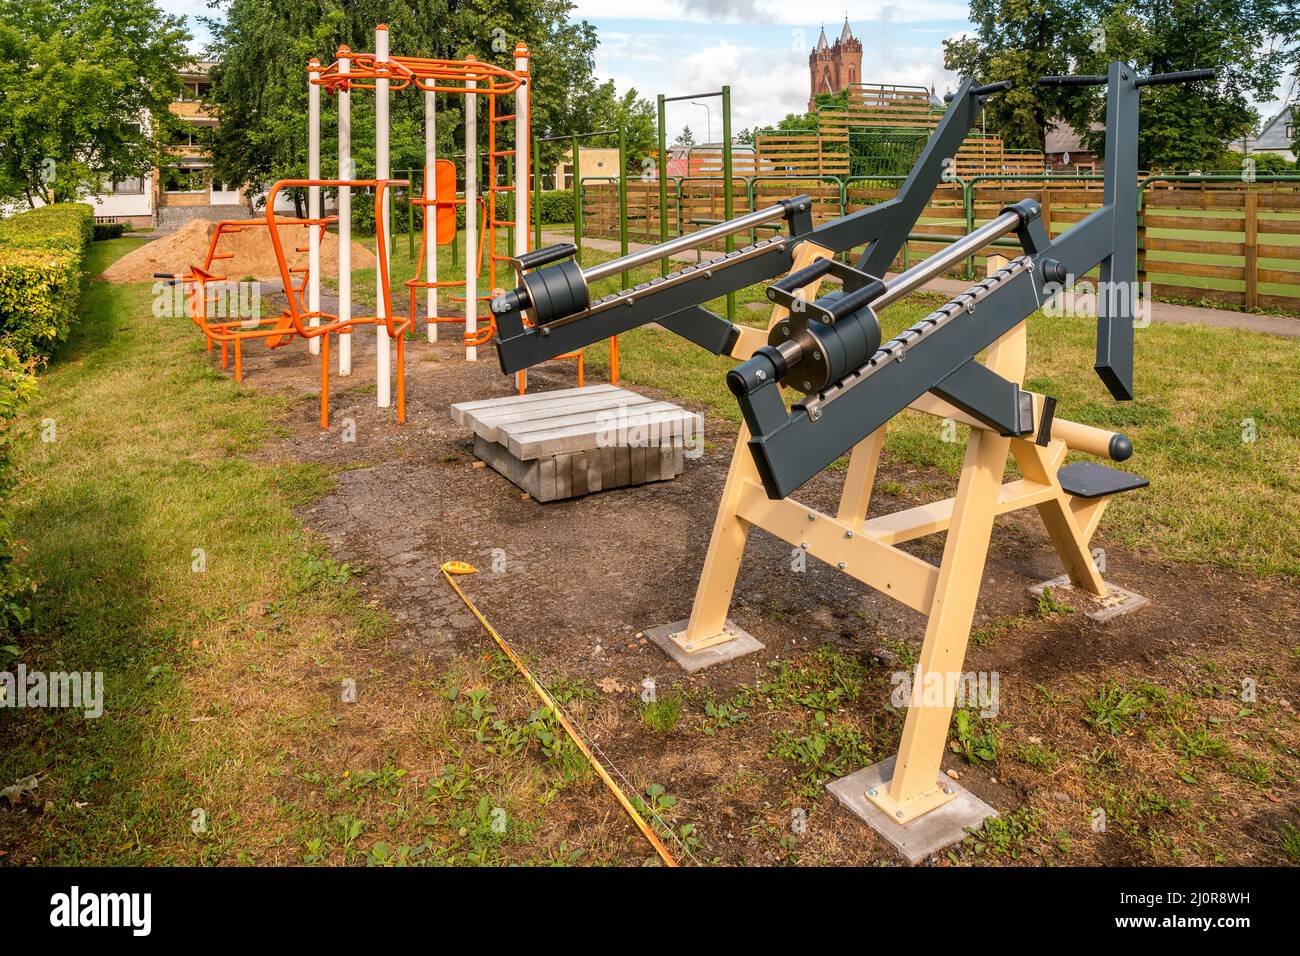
832,68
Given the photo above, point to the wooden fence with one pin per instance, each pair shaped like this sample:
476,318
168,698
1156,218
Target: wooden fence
1229,245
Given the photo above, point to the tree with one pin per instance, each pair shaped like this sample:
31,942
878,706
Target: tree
604,109
1018,40
685,137
1251,42
260,86
1185,126
84,92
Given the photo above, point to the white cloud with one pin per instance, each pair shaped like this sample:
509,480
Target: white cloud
830,12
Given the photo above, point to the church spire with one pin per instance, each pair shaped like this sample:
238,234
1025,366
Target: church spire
846,33
821,41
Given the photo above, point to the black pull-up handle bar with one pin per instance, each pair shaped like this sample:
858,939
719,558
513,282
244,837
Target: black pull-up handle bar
546,255
1155,79
1001,86
1072,81
1182,76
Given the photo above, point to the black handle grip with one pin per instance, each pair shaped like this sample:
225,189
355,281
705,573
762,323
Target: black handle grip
808,274
1181,76
546,255
171,277
1001,86
1072,81
849,303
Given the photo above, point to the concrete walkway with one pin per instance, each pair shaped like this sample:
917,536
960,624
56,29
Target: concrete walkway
1172,313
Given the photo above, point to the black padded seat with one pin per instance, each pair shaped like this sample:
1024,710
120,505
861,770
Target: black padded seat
1087,479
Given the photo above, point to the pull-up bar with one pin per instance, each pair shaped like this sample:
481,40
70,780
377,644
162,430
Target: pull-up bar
728,201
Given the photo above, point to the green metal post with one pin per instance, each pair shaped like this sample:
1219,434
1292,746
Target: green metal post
577,201
728,210
537,196
577,198
663,182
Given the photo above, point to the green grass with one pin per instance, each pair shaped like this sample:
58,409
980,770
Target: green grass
152,461
170,558
662,714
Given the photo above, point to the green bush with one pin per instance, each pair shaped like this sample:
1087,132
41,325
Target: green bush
1271,164
41,253
109,230
17,385
557,206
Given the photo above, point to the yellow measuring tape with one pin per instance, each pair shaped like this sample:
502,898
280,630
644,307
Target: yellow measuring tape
460,567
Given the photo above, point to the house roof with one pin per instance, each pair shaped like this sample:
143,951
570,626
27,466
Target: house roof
1063,138
1274,134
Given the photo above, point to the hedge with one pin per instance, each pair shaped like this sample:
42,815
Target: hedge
41,255
17,385
109,230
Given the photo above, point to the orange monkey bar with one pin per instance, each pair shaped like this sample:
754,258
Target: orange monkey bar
406,71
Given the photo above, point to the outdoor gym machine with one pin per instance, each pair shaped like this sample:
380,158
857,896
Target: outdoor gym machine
828,349
562,315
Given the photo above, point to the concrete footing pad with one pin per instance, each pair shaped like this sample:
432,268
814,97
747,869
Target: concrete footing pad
929,833
741,643
1118,602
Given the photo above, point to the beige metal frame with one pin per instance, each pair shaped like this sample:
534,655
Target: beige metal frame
867,549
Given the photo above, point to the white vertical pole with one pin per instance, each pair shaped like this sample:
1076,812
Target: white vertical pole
523,165
383,371
345,213
430,214
471,215
313,199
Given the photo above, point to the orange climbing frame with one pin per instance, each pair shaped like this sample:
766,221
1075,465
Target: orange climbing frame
232,333
328,324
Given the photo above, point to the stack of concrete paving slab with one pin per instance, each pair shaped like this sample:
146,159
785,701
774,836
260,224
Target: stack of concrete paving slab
575,441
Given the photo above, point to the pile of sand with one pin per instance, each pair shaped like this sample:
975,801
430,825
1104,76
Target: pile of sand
253,253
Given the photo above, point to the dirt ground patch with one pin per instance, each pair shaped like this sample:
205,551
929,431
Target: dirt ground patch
1142,717
250,249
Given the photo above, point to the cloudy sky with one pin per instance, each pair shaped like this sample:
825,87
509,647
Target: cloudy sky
760,47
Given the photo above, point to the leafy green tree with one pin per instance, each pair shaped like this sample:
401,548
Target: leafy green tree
1019,40
84,91
685,137
1185,126
260,86
1253,43
604,109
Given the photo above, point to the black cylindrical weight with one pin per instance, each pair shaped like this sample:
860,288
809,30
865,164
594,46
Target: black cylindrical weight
556,292
827,353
